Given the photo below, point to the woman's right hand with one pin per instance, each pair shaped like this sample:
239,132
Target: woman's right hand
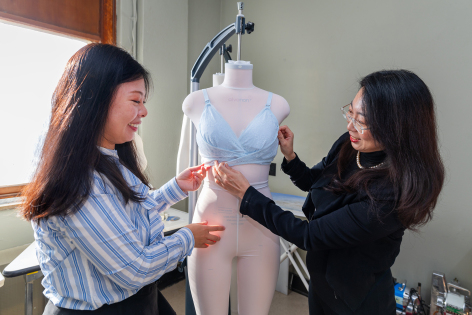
285,137
201,233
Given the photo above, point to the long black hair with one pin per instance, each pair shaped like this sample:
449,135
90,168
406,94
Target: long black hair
399,110
80,106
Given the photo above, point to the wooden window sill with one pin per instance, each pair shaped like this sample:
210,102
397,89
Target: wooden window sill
10,203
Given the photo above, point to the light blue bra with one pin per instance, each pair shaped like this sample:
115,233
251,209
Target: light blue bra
257,144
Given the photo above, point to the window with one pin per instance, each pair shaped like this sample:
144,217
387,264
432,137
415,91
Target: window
31,63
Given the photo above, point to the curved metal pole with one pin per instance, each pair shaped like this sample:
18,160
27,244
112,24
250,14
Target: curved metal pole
209,51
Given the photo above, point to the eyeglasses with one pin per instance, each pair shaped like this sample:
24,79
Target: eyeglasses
347,114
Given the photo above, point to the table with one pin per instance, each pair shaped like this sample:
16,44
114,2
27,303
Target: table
290,203
293,204
26,264
171,227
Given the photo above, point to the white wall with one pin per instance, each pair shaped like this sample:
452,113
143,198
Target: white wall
162,47
203,25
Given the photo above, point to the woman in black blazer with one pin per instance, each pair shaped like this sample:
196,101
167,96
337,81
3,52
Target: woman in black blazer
381,177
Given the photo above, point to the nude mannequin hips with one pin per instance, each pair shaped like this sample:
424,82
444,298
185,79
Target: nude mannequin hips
238,101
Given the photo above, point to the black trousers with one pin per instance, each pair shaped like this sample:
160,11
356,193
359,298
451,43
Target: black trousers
147,301
323,301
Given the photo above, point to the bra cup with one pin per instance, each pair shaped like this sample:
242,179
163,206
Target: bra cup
257,144
261,133
216,133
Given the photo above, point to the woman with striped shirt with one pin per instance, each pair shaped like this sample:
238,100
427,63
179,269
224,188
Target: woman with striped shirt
99,235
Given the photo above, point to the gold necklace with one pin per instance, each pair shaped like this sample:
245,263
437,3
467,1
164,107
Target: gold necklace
362,167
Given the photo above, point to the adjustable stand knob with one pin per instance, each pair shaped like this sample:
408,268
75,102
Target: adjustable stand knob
249,27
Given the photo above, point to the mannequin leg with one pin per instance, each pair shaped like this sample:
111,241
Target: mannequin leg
209,269
210,280
258,268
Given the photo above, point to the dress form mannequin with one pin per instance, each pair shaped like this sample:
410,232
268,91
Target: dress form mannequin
238,102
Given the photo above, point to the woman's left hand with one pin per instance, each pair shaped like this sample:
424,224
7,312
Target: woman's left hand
191,178
231,180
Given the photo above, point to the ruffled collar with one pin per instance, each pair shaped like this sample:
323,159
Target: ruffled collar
108,151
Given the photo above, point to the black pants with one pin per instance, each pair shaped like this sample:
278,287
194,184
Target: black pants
147,301
380,301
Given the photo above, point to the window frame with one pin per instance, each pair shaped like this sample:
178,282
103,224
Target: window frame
11,191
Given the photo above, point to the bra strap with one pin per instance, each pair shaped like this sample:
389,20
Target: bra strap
269,99
205,94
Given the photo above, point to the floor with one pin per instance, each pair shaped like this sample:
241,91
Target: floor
282,304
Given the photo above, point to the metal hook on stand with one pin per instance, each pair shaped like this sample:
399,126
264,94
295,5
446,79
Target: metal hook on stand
225,56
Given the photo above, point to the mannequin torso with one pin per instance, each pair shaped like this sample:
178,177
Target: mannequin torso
239,102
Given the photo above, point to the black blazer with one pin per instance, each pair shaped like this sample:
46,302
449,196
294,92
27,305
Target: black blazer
346,242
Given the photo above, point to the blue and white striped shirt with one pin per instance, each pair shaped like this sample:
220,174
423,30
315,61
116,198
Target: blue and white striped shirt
108,250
